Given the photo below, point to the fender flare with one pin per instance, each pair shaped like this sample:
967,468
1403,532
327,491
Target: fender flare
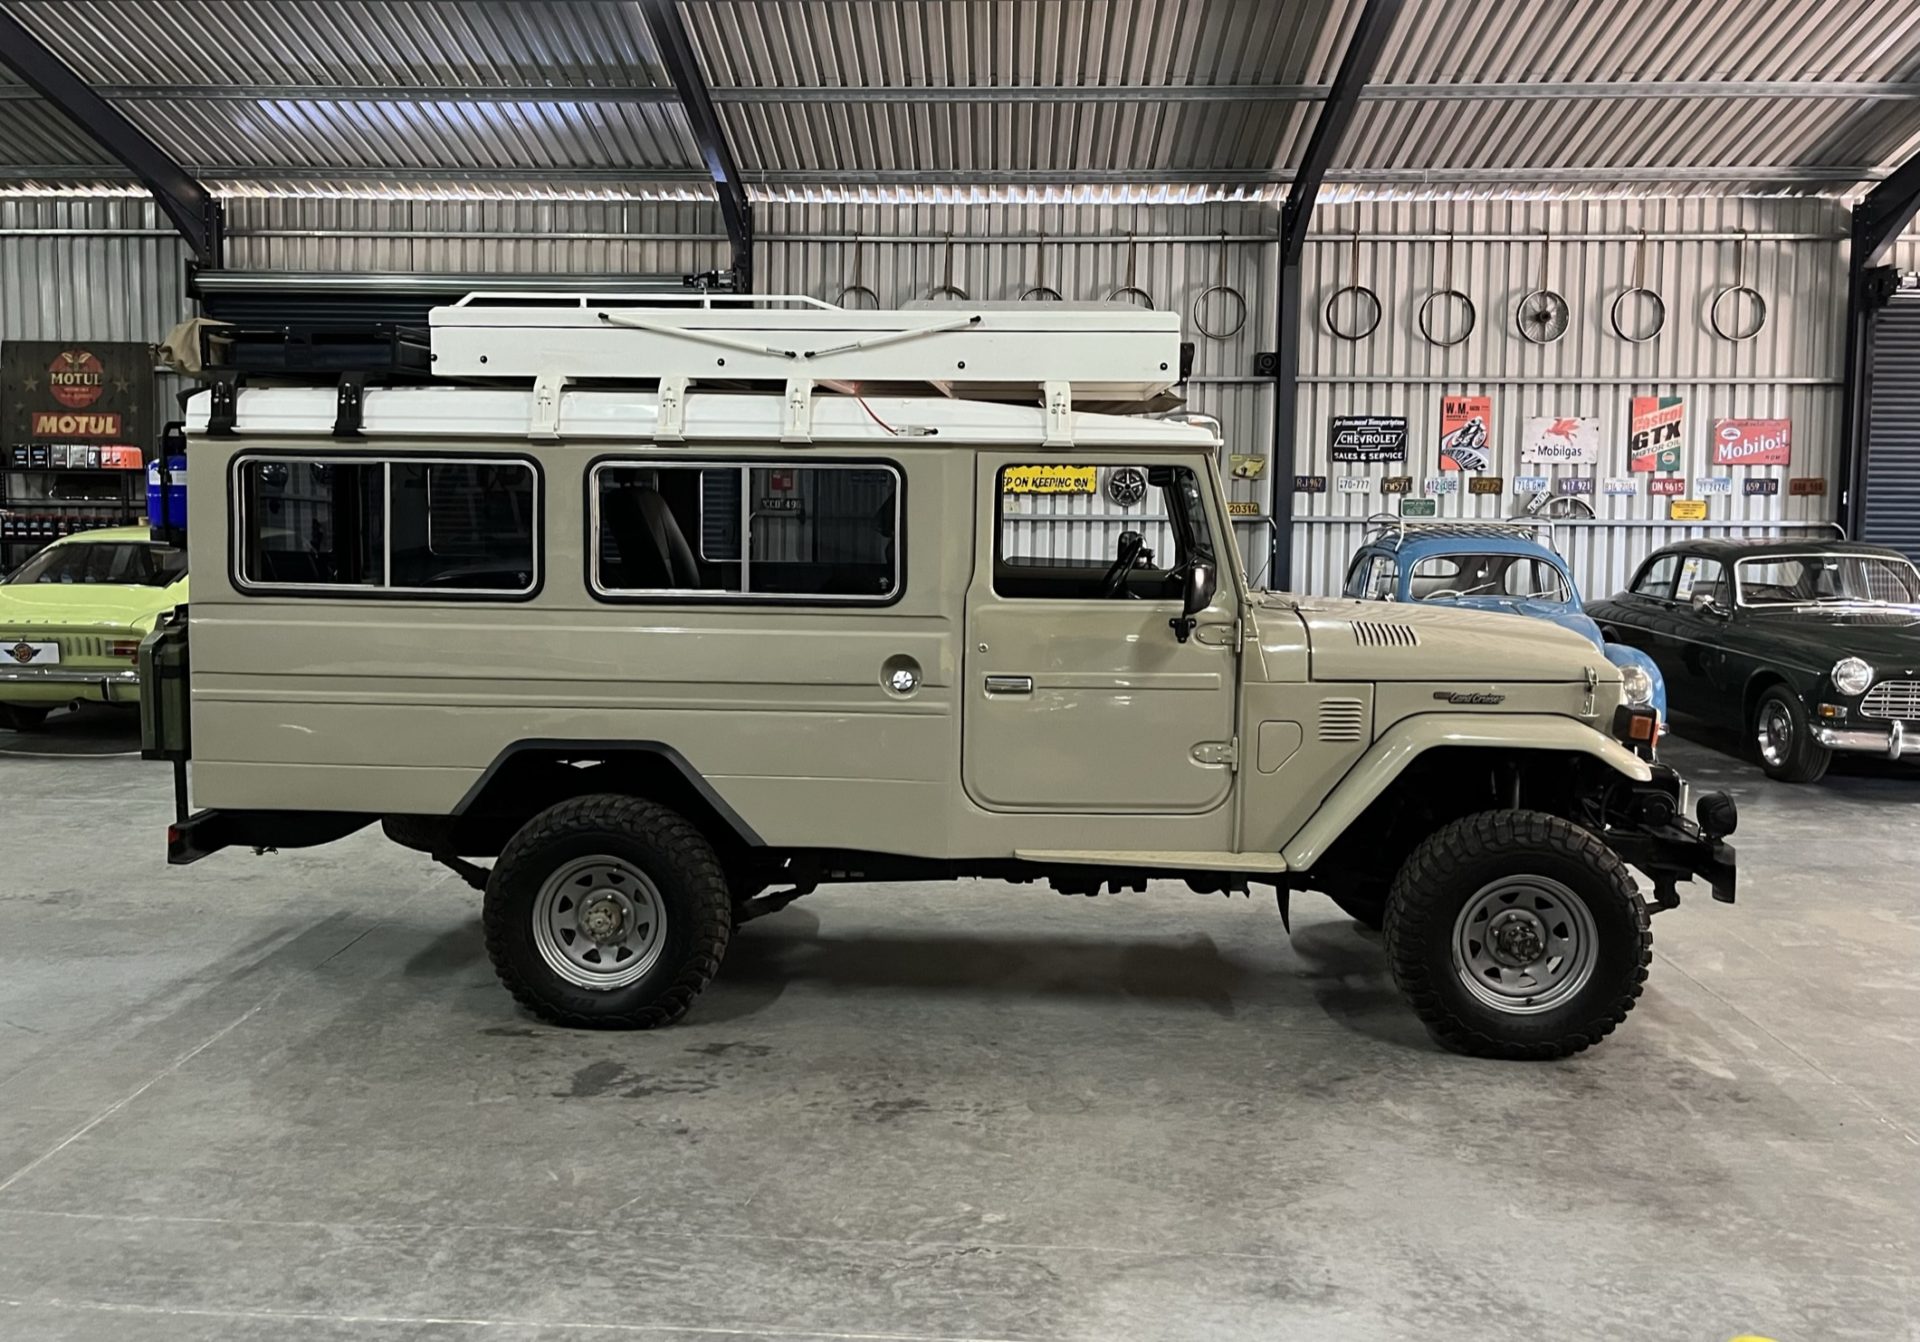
1384,761
574,750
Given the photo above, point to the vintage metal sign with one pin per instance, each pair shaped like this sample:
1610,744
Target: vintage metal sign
1368,438
80,394
1656,433
1752,442
1412,507
1687,510
1466,433
1048,480
1572,439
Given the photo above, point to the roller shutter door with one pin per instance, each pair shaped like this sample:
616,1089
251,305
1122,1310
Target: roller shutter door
1890,511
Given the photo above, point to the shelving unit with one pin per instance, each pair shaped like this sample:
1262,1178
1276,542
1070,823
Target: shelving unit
40,504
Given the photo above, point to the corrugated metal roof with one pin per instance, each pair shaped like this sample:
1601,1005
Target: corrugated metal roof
1140,98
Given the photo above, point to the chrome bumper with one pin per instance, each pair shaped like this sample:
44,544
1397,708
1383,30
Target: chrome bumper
114,686
1893,740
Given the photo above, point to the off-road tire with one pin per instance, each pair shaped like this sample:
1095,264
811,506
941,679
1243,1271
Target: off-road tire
1365,903
673,855
1806,759
16,718
1460,859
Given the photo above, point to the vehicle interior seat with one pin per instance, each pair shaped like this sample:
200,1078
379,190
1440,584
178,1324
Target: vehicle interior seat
653,550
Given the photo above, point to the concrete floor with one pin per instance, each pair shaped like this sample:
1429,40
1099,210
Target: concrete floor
284,1098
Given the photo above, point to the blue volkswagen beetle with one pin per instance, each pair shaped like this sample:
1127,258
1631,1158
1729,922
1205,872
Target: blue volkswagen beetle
1489,566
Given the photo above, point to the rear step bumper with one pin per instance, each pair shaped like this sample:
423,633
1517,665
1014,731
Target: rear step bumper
207,832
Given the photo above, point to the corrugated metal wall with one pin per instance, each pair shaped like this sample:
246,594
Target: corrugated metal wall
88,268
1792,369
104,268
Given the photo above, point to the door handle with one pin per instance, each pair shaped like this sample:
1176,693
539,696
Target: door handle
1009,684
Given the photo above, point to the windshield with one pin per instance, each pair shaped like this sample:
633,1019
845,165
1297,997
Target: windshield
129,563
1442,577
1827,580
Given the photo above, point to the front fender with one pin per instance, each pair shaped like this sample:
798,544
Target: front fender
1622,655
1409,737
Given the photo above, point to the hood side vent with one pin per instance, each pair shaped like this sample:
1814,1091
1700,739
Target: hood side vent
1342,719
1379,634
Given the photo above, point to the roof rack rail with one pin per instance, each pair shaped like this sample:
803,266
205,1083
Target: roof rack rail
1491,528
1111,357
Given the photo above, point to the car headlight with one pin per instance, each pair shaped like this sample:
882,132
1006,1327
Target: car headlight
1637,685
1851,676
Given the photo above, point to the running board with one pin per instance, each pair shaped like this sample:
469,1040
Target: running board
1159,859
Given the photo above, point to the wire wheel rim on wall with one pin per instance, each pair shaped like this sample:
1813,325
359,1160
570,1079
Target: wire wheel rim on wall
1543,315
1721,319
1616,315
1445,295
1220,286
1360,294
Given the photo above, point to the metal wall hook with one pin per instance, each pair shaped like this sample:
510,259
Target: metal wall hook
1616,315
1723,323
1361,294
1130,291
946,288
1239,308
856,289
1041,292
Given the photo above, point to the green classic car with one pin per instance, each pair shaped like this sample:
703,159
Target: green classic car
1811,647
72,617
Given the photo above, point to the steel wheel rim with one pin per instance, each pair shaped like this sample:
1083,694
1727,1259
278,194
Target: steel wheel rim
1775,733
599,922
1525,944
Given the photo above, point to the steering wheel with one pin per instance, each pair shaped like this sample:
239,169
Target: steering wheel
1441,593
1132,545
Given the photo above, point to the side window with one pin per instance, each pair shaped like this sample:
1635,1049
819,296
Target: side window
1702,579
673,530
410,526
1358,575
1063,531
1655,579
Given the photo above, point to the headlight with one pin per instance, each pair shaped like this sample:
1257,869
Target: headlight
1851,676
1637,685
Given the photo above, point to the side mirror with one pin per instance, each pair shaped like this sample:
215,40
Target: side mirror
1196,595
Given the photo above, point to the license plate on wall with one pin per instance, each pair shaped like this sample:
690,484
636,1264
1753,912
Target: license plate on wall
29,654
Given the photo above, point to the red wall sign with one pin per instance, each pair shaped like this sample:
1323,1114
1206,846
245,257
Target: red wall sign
1752,442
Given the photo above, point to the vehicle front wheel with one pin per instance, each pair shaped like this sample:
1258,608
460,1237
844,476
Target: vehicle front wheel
1784,736
1516,934
607,911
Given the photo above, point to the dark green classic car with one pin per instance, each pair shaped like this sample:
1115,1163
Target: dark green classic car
1808,646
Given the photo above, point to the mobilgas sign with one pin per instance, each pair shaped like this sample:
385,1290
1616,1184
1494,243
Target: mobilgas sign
92,393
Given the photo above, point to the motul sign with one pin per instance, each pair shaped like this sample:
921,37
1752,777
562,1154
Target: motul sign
76,378
53,424
1752,442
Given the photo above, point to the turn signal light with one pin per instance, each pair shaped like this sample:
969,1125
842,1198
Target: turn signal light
1636,724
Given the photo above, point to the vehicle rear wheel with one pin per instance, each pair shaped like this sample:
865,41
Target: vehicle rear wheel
607,911
16,718
1516,934
1784,737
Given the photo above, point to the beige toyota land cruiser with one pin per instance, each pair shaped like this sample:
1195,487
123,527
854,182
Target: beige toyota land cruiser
909,595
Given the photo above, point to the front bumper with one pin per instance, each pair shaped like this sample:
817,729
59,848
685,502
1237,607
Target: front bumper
44,684
1892,740
1669,847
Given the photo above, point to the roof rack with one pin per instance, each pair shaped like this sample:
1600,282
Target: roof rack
1514,528
1106,356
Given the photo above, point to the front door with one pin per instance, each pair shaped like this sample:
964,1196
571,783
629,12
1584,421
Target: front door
1079,695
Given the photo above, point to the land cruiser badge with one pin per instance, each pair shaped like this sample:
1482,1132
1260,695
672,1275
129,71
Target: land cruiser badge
1460,697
